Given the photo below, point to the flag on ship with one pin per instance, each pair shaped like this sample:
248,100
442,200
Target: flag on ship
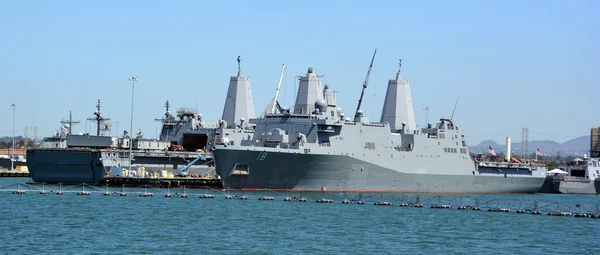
492,151
539,152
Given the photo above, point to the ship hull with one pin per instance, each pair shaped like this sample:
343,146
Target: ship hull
65,166
75,166
250,169
559,186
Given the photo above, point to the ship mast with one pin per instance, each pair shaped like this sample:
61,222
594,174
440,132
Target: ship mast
70,122
98,118
365,83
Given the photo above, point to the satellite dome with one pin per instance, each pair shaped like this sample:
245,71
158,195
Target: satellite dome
200,115
321,105
341,114
359,113
347,119
242,119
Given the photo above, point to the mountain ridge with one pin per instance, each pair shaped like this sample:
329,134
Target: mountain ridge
576,146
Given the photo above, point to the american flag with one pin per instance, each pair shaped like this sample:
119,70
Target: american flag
492,151
64,129
539,152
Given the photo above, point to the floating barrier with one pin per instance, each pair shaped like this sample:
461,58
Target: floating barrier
324,200
474,203
498,210
559,213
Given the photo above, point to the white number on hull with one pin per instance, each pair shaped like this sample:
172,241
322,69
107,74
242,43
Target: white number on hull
262,156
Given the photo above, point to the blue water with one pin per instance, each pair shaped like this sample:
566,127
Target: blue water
95,224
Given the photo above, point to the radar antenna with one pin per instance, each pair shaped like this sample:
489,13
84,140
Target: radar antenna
239,59
98,118
365,83
399,65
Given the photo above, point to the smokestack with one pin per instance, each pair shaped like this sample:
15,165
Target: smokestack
508,149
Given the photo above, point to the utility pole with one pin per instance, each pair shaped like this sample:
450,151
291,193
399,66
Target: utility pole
12,159
133,79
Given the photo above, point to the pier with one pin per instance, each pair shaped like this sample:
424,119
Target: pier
14,174
173,182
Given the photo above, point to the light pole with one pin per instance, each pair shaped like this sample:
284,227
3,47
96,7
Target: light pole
426,109
133,79
12,159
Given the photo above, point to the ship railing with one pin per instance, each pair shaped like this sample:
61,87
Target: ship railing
505,164
374,124
569,178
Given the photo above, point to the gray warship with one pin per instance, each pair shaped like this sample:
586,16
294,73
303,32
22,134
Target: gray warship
577,177
85,158
314,147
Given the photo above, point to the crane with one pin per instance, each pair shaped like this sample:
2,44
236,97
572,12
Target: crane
365,83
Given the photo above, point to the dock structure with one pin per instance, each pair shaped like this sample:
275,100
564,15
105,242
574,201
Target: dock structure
174,182
14,174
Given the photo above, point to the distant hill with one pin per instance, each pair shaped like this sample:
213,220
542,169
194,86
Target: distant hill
577,146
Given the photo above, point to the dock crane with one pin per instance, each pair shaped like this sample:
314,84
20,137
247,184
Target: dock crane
365,83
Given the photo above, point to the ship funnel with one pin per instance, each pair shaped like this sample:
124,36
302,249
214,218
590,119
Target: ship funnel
508,151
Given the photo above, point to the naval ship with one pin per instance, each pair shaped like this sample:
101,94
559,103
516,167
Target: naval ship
577,177
181,149
85,158
314,147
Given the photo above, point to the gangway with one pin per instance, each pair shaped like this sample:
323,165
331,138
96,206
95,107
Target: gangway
201,157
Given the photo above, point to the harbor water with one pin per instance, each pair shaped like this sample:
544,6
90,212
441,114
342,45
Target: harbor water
70,224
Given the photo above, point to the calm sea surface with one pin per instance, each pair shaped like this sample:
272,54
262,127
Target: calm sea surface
95,224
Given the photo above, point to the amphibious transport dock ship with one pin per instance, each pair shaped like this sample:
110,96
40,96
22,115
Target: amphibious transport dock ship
314,147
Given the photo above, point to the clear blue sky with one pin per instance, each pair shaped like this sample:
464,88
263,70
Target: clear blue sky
514,63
